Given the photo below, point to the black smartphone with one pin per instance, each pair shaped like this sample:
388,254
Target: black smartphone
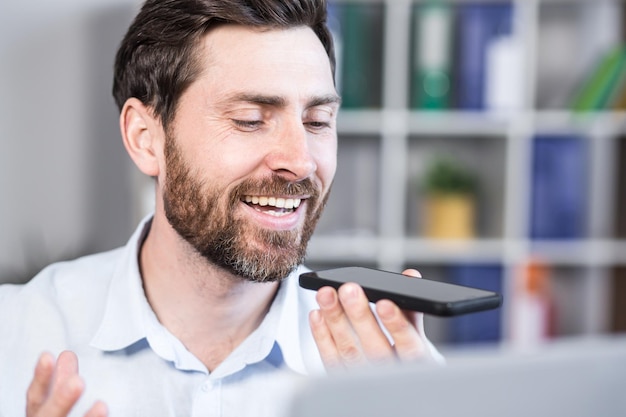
409,293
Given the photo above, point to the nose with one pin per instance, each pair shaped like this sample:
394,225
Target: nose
291,155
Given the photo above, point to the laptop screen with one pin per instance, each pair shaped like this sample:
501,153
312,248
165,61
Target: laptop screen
576,378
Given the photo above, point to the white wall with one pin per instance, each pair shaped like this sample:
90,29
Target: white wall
65,179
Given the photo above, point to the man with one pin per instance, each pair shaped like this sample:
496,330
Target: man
231,106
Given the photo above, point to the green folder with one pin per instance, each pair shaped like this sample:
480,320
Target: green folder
431,84
599,89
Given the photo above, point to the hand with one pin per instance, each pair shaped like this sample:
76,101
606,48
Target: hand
56,387
347,333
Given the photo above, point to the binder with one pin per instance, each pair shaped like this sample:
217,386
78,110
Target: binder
558,187
431,72
478,24
483,327
361,61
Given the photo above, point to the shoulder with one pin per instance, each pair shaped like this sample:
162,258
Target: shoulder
65,279
64,296
86,278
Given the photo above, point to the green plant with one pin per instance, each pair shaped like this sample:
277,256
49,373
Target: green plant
445,175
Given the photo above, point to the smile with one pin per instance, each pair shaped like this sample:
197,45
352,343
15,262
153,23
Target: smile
274,206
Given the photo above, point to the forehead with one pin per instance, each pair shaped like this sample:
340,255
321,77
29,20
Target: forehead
278,59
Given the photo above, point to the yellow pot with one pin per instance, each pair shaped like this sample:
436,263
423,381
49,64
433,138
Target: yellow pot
449,216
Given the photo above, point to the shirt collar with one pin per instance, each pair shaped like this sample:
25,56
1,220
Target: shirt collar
294,333
123,322
128,318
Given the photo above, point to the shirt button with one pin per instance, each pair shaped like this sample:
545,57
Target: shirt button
206,386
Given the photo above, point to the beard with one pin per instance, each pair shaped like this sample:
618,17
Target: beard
205,217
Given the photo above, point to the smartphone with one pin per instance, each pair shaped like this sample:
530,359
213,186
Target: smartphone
409,293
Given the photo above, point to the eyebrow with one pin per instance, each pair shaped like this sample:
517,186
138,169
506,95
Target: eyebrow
326,99
279,101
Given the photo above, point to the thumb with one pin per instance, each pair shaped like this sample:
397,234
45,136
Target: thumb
412,273
415,318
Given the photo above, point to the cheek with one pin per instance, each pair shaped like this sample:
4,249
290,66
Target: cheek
326,159
229,164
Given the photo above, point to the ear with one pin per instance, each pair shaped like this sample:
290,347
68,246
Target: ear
143,136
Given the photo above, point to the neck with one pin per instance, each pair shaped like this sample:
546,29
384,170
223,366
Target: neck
208,309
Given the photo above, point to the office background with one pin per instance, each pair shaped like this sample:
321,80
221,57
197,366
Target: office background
516,103
65,182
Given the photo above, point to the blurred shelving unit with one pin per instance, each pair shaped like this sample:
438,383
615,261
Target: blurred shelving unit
372,218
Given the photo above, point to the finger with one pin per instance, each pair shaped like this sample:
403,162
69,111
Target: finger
345,340
63,397
40,385
356,306
324,340
67,387
67,365
407,341
99,409
412,273
417,319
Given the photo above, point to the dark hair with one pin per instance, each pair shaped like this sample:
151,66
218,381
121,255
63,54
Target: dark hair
157,59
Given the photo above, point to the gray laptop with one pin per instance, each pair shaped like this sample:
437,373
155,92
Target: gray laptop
576,378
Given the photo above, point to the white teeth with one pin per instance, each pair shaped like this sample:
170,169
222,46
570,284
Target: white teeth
278,202
273,213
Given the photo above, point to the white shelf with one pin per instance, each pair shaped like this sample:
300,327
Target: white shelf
465,123
417,251
400,136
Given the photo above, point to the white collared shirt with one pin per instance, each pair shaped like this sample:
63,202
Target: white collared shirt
96,307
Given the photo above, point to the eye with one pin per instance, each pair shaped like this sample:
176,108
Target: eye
317,125
248,125
319,118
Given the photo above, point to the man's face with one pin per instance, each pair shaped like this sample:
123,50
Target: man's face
251,154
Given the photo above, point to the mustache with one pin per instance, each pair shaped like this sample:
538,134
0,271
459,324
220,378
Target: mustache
276,185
